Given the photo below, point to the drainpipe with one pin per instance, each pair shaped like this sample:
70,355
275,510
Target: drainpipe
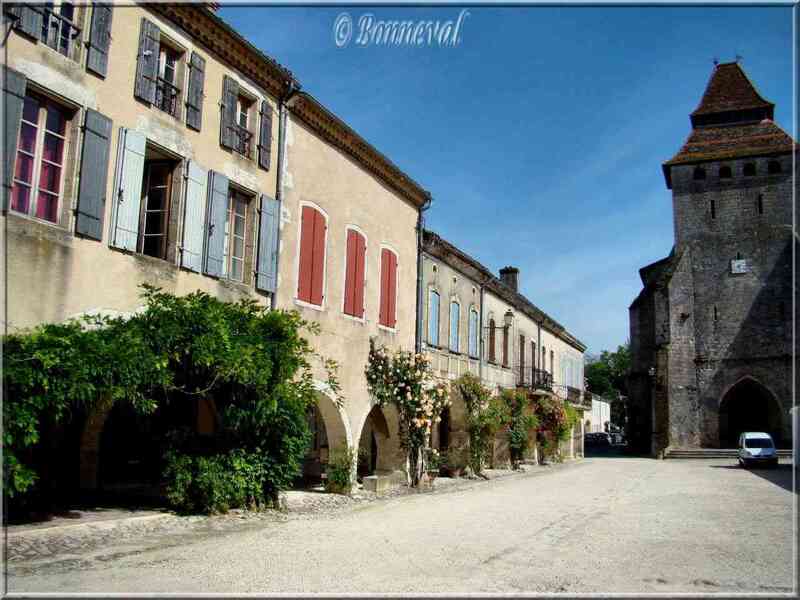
420,229
282,115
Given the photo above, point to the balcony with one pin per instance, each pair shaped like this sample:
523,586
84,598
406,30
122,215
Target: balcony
542,380
59,33
167,97
242,140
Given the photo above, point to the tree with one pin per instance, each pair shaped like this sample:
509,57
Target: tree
607,375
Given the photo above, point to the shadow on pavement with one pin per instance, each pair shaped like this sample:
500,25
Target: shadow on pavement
619,451
780,475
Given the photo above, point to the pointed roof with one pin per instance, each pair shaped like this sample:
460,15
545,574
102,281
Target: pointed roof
729,89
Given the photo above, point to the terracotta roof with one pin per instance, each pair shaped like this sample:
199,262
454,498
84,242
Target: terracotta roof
733,141
729,89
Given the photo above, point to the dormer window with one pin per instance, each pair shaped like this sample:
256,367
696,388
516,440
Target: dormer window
699,174
749,170
725,173
773,167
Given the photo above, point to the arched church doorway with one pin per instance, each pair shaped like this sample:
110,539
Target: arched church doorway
748,406
373,443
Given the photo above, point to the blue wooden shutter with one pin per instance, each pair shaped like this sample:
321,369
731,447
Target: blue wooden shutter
215,229
267,269
147,62
194,93
455,317
94,175
99,39
230,94
27,19
13,99
265,139
194,217
433,318
130,168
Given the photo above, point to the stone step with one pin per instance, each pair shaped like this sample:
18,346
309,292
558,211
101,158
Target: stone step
713,453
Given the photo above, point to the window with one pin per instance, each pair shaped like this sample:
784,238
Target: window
552,362
243,140
154,217
433,318
749,169
505,346
522,359
725,173
699,173
354,274
773,167
167,90
312,256
713,205
492,342
760,204
473,332
38,175
388,309
235,227
533,361
543,366
58,27
455,316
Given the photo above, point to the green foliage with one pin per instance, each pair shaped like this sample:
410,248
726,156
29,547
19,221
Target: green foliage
486,414
340,469
607,375
522,423
551,413
215,483
252,361
405,380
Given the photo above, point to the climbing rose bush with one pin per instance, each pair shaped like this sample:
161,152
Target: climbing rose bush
405,380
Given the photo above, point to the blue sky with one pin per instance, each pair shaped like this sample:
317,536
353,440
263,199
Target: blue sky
541,136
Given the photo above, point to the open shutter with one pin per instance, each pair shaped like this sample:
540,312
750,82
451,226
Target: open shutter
306,254
358,288
382,310
147,62
267,270
13,99
194,217
29,19
230,93
99,39
215,230
318,272
94,175
194,94
350,273
265,139
391,290
130,168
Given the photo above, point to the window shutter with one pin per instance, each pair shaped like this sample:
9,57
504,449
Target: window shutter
383,318
230,93
13,99
358,299
194,93
94,175
265,139
147,62
194,217
217,216
306,254
350,273
130,168
391,290
29,19
99,39
267,273
318,273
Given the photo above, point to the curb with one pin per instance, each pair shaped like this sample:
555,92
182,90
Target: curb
107,524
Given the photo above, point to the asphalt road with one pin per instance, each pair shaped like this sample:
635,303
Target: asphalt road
601,525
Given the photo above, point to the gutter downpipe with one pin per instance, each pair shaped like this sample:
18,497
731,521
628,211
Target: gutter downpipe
283,109
420,229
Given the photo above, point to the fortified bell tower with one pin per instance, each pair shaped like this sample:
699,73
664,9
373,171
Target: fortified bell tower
711,330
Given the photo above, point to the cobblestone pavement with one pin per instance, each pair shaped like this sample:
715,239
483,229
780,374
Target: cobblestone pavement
599,525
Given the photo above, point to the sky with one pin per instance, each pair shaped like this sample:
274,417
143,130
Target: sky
541,134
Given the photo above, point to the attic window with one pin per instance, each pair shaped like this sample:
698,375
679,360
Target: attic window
773,167
750,169
699,174
725,173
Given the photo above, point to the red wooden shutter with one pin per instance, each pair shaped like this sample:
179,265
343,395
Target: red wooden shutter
318,263
358,284
350,273
306,254
382,313
391,290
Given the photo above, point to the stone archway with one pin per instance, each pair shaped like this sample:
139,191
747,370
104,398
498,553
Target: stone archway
379,444
330,432
748,405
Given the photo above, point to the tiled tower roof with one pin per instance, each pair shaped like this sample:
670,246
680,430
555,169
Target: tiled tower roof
732,121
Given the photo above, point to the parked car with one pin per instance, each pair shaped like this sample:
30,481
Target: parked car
598,439
757,447
617,438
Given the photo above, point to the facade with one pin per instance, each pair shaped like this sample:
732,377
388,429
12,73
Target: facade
596,419
711,330
472,321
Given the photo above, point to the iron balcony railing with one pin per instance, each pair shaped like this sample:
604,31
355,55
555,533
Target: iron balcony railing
167,96
59,32
537,379
242,140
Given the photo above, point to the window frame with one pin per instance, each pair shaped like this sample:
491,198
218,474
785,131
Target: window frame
251,116
363,235
168,196
454,302
297,300
473,334
236,193
492,342
431,292
388,248
167,46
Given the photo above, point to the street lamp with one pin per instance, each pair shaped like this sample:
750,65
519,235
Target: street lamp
508,320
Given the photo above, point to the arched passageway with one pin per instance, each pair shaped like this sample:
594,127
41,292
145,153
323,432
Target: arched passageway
748,406
329,433
373,444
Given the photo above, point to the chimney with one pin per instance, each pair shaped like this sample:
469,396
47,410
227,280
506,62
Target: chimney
510,277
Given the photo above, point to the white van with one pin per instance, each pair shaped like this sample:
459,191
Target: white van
757,447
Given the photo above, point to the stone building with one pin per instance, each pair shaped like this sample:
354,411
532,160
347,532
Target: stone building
153,144
475,322
711,330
